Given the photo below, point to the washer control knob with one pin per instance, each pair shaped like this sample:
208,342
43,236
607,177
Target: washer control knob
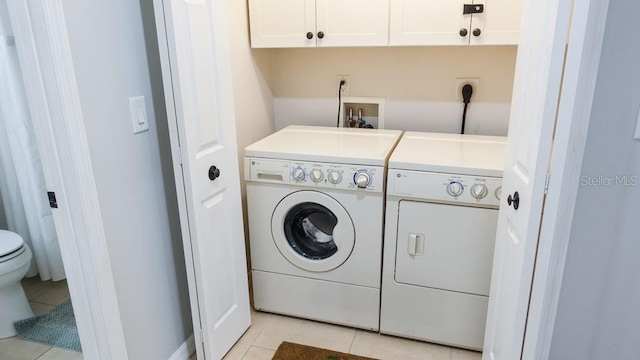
479,191
362,179
298,174
498,193
334,176
316,175
455,188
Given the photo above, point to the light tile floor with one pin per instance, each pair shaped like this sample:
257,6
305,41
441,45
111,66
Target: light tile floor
43,296
269,330
259,342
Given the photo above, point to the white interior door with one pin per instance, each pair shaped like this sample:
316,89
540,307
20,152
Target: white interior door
199,96
539,69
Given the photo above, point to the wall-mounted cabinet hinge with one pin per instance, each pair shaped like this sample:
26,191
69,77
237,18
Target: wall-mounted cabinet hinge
53,202
546,183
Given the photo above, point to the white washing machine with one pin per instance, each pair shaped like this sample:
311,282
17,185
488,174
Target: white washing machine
316,205
442,208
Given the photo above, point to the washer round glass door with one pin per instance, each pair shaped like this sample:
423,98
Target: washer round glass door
313,231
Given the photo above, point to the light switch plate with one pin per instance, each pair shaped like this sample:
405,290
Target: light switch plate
138,109
637,134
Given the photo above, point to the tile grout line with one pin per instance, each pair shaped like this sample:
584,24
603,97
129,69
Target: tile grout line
262,347
257,335
257,347
44,292
41,303
244,353
352,341
261,330
49,290
39,294
41,355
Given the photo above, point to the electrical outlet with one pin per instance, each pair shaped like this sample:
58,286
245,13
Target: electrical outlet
474,82
345,87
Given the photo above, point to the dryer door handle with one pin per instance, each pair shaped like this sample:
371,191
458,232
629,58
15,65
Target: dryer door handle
416,245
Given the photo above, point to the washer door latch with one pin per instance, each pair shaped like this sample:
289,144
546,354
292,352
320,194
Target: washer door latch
473,9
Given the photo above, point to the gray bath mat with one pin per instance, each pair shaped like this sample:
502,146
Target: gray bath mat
57,327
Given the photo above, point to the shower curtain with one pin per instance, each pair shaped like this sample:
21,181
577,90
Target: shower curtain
22,184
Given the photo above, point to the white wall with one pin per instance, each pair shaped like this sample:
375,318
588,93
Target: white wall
419,84
599,310
252,74
113,61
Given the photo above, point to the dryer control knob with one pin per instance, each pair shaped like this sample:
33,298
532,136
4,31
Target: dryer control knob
298,174
455,188
498,193
335,177
362,179
479,191
316,175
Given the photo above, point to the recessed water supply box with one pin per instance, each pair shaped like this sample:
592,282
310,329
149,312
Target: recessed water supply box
362,112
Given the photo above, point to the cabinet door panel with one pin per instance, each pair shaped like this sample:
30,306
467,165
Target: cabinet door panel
499,24
428,22
353,22
282,23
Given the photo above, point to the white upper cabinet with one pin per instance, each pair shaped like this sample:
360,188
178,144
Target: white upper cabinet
428,22
444,22
311,23
282,23
499,24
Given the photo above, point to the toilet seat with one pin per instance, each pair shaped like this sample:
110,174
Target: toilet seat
11,245
12,254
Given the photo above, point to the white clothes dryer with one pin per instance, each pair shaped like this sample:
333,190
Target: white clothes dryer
316,204
442,208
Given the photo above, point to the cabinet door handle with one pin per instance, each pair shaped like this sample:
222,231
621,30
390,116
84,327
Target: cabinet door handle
309,35
477,32
320,35
464,32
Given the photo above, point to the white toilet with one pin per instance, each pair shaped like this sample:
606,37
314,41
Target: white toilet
15,259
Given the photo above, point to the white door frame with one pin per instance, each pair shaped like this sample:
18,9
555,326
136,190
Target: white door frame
572,123
48,72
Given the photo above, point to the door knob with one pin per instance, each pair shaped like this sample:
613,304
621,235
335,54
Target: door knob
309,35
320,35
477,32
515,200
463,32
214,173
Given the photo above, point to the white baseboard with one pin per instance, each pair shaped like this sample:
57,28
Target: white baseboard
185,350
